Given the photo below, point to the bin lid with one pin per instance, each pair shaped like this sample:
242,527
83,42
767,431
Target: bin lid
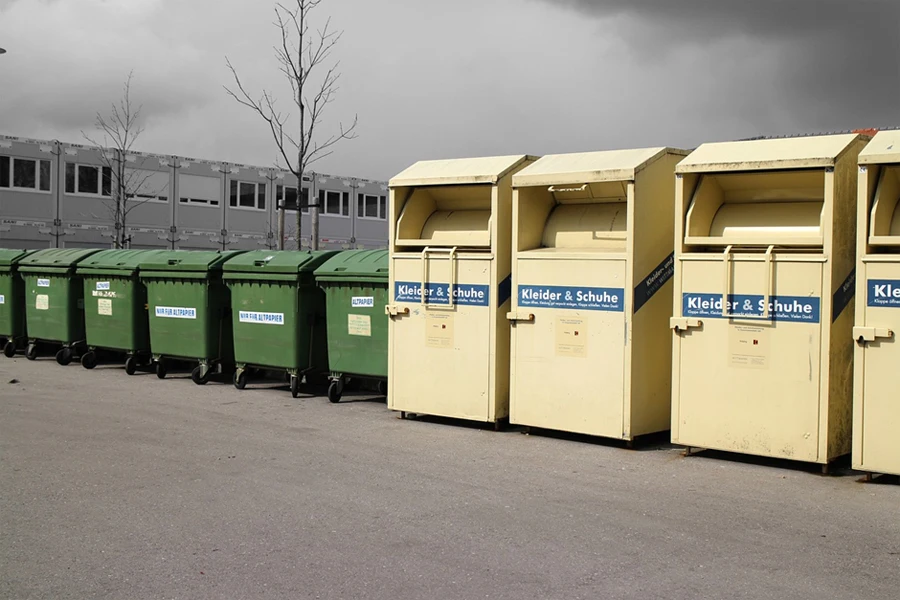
773,154
11,256
127,261
55,258
352,265
187,260
283,262
589,167
458,171
884,148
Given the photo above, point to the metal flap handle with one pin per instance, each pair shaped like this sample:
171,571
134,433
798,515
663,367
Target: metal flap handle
394,310
520,316
870,334
679,324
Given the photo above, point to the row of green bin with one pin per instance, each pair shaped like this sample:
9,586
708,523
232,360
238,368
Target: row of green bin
318,315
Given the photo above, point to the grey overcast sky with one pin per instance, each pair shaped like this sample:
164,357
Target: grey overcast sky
435,79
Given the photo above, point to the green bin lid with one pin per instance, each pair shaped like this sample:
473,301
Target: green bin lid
128,261
55,258
355,264
186,260
10,257
282,262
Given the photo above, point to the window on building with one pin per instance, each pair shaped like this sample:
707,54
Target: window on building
334,203
287,196
150,186
247,194
87,179
194,189
24,173
371,207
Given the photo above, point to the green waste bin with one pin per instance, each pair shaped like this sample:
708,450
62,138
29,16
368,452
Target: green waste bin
115,307
12,301
54,300
356,291
278,314
189,310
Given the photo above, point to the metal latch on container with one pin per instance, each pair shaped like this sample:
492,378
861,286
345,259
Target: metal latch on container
393,311
870,334
520,316
684,323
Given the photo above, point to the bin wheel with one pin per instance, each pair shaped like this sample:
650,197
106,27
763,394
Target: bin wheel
130,365
240,379
196,376
31,352
335,390
161,369
295,386
9,349
382,387
64,356
88,360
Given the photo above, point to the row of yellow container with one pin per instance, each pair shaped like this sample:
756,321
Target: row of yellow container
628,292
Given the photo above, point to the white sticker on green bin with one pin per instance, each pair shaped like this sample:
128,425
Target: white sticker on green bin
104,307
42,302
176,312
362,301
2,299
265,318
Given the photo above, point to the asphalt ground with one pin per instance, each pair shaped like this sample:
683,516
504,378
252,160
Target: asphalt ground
130,487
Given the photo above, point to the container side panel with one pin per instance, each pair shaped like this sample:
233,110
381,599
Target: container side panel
115,313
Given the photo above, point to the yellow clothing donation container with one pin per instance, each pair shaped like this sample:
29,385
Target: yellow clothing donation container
592,267
876,414
764,268
450,235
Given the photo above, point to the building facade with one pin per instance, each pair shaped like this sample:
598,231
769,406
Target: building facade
57,195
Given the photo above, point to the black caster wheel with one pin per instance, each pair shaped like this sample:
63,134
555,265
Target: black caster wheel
196,376
131,365
161,369
88,359
295,386
335,390
64,356
9,349
382,388
240,379
31,352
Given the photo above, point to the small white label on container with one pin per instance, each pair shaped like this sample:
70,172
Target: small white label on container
246,316
2,299
359,325
104,306
362,301
43,283
175,312
42,302
102,285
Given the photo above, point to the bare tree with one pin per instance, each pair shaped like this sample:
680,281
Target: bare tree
302,56
126,187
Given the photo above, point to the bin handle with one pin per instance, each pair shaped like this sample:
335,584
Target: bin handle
728,257
451,256
770,272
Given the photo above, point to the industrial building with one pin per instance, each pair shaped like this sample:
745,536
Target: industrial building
57,195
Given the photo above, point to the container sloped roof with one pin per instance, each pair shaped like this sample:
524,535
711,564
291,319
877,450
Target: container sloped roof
757,155
457,171
589,167
884,148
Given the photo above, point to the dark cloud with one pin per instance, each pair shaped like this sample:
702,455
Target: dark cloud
805,63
